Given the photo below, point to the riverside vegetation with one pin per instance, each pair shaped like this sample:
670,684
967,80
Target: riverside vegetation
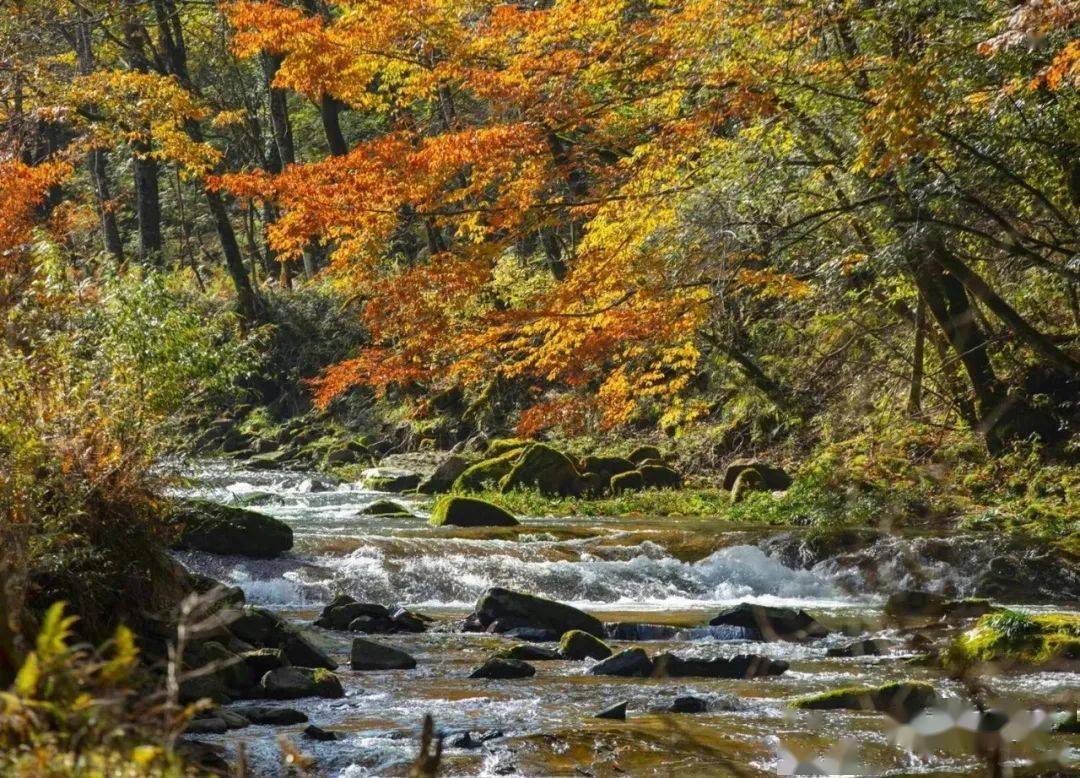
560,369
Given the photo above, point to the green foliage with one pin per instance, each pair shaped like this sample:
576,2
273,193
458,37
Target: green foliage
73,711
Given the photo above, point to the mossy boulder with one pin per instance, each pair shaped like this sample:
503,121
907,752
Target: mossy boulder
444,475
631,481
902,700
578,645
609,466
594,484
389,479
774,478
386,508
225,529
501,446
458,511
660,477
644,453
749,480
525,652
1018,638
486,472
545,469
290,683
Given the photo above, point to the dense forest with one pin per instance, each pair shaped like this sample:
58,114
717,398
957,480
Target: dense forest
656,308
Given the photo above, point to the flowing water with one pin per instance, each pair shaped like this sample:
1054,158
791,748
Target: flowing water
654,570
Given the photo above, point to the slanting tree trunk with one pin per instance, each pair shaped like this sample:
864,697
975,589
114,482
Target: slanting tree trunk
330,112
1016,324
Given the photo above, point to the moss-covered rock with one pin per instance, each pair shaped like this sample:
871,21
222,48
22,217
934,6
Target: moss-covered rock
774,478
387,479
545,469
627,482
1013,637
386,508
444,475
902,700
609,466
643,453
660,477
578,645
458,511
487,471
224,529
501,446
749,480
290,683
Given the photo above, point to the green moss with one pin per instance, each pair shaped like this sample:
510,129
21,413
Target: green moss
651,502
487,472
900,699
501,446
458,511
1017,637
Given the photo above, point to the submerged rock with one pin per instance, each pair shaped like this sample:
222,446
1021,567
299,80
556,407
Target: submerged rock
627,630
460,511
527,653
578,645
369,655
742,666
290,683
868,647
386,509
225,529
311,732
769,623
617,712
632,662
688,704
911,603
514,609
502,669
901,700
273,716
470,741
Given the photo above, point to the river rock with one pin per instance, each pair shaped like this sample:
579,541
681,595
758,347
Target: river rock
631,481
578,645
532,634
369,655
471,741
868,647
311,732
660,476
302,652
688,704
497,668
774,478
524,652
617,712
749,480
405,620
742,666
290,683
607,466
272,716
632,662
442,479
628,630
460,511
386,509
213,725
769,623
514,609
388,479
232,719
902,700
225,529
645,453
545,469
487,472
339,614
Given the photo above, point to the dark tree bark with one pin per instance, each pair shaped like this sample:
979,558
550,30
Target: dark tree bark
330,112
918,359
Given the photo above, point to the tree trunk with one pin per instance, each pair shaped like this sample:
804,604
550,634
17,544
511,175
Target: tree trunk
917,360
1016,324
330,111
147,205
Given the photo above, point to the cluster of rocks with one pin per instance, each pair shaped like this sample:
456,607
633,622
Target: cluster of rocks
346,613
302,442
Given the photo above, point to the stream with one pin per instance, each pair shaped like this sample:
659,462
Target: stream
639,569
